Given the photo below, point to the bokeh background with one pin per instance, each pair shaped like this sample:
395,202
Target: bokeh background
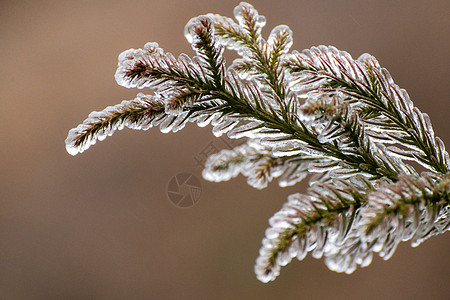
100,226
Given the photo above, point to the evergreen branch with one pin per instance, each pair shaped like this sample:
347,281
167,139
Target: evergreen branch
176,103
229,34
264,57
313,222
328,70
334,122
237,101
200,33
415,124
140,113
250,21
355,130
346,225
280,41
243,67
257,164
151,67
414,208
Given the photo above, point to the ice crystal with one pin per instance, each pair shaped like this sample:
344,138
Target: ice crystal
318,111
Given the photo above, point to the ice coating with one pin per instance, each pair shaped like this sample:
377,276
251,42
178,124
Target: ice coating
227,164
70,147
411,225
342,246
249,130
100,124
252,161
128,59
278,33
243,9
192,28
225,126
261,98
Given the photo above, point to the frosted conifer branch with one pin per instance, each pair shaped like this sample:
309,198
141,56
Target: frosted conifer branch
317,111
346,224
140,113
257,164
260,59
414,208
315,222
201,86
385,109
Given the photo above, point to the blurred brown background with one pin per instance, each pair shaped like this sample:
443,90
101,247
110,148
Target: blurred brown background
99,225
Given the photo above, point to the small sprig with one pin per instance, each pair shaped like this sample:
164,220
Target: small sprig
317,222
140,113
257,164
414,208
260,59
